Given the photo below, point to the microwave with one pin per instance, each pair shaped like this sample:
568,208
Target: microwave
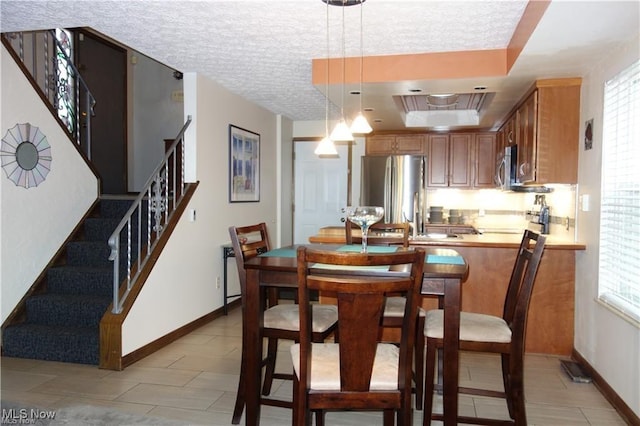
506,169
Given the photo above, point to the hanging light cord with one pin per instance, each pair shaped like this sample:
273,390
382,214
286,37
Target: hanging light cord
344,67
361,54
326,98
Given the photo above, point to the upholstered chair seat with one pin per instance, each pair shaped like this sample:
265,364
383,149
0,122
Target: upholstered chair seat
473,327
287,317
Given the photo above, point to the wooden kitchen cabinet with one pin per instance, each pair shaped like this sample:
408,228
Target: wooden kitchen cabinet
527,114
395,145
432,228
547,132
550,326
449,157
485,161
510,131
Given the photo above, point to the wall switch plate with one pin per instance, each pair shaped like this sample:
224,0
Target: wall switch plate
192,215
584,202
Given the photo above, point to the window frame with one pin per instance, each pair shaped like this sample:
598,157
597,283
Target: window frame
619,230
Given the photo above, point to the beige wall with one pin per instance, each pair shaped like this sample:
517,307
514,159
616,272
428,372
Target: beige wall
37,220
182,286
607,341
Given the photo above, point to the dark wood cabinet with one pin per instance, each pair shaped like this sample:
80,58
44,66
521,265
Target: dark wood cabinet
437,160
485,160
547,132
395,145
449,229
454,160
449,158
527,114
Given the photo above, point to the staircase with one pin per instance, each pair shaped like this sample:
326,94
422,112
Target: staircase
63,322
59,317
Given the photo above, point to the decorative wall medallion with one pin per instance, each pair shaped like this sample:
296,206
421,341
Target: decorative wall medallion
26,155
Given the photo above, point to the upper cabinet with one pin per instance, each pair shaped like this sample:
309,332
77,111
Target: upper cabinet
449,159
454,160
484,170
395,145
547,132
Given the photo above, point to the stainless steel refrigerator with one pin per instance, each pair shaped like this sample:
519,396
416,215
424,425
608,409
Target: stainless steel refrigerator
397,183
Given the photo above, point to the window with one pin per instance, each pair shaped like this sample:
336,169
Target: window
619,270
65,101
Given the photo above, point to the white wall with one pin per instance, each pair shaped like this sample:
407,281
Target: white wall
183,283
37,220
609,343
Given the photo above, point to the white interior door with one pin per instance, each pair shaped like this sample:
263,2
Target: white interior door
320,190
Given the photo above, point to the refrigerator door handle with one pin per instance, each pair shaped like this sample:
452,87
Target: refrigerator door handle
388,190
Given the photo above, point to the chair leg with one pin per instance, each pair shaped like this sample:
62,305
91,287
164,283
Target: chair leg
430,365
419,363
270,361
506,381
240,396
440,367
389,417
515,393
301,416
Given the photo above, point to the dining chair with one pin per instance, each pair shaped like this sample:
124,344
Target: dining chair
280,321
487,333
380,233
359,372
387,233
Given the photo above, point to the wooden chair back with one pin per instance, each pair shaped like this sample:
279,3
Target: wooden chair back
361,302
248,242
523,276
378,234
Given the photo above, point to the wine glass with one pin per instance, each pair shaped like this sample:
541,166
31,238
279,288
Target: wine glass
364,217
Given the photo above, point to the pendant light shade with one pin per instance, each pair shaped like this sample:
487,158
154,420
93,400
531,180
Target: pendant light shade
341,133
326,147
360,125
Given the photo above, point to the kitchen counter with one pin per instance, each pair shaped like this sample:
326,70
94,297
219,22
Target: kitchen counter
496,240
490,257
336,235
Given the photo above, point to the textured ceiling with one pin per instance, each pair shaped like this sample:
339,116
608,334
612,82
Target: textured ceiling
262,49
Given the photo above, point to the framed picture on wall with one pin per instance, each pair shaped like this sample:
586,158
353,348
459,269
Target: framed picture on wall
244,165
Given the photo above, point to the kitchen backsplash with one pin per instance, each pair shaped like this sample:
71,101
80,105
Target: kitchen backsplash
492,209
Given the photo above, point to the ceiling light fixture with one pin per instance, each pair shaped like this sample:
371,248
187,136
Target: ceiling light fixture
326,147
341,132
360,124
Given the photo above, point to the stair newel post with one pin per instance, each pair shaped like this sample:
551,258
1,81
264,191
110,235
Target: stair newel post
114,243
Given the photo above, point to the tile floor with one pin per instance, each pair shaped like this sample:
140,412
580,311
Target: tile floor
193,382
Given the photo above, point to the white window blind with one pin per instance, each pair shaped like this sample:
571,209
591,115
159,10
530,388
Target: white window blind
619,269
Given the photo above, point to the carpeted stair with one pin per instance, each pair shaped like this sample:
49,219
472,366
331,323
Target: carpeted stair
62,324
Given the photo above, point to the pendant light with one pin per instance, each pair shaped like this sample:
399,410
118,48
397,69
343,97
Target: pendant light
360,124
326,147
341,132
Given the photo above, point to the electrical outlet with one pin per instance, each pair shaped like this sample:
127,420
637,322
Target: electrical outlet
217,282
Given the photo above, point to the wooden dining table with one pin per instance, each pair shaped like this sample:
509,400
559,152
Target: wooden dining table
444,272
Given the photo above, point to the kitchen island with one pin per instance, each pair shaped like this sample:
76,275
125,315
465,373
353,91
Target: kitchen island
490,257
